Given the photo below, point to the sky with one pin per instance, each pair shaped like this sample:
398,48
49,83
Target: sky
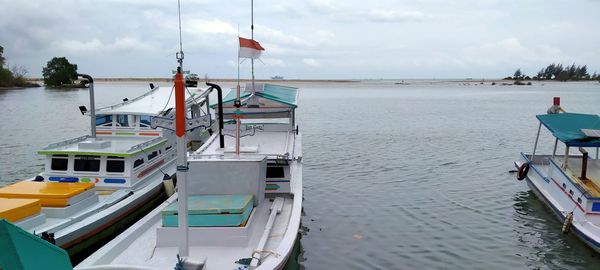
308,39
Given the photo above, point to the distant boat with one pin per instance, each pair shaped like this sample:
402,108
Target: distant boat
277,77
569,184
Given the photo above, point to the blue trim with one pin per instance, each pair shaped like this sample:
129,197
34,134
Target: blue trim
533,167
596,206
583,192
64,179
114,181
277,181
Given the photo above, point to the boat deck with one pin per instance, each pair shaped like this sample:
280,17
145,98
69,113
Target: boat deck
143,250
592,183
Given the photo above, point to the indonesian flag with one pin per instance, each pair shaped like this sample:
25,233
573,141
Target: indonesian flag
250,48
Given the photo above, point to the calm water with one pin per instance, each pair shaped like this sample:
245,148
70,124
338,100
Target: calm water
396,176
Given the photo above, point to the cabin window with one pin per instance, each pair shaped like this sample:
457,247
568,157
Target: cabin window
59,162
115,164
104,120
138,162
87,163
275,172
123,120
152,155
145,121
168,147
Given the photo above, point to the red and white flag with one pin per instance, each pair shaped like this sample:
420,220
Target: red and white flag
250,48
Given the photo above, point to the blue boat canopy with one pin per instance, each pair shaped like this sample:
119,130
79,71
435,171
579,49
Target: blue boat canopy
566,127
276,93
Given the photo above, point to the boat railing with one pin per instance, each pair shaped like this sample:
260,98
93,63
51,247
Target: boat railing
66,142
129,101
145,144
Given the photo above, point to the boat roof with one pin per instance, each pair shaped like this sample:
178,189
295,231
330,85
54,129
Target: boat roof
152,102
567,127
263,143
106,146
283,95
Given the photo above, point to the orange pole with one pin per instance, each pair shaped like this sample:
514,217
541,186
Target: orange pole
179,105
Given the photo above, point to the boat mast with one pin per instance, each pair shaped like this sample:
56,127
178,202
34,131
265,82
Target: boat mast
252,37
182,167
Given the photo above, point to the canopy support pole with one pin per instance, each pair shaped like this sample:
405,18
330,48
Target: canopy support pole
566,157
555,145
536,141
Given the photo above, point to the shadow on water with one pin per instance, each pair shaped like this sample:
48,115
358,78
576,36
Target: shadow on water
540,239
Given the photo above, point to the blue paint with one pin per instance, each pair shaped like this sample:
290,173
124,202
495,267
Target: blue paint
114,181
64,179
596,207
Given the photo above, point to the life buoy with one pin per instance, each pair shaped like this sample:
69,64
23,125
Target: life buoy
523,170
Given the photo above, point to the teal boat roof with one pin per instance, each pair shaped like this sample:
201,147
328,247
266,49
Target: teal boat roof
566,127
283,94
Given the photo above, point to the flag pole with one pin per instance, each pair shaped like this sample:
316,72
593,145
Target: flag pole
237,104
252,36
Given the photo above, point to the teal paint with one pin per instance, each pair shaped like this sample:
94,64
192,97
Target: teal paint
24,251
211,211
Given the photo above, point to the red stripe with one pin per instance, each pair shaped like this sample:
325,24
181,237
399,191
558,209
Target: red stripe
250,43
568,195
151,168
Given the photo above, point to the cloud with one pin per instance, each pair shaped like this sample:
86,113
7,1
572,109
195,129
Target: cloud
387,15
273,62
123,44
214,26
310,62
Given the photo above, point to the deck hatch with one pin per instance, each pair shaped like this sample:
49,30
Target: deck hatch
212,211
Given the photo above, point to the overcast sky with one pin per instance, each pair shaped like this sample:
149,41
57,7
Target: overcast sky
320,39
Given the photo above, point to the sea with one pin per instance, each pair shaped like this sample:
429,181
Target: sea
397,175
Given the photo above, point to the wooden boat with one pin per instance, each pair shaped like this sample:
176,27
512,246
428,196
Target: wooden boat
95,185
569,182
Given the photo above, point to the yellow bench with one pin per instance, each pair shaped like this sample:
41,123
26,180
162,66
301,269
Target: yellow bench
14,210
52,194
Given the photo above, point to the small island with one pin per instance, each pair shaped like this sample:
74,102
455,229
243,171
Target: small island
556,72
14,77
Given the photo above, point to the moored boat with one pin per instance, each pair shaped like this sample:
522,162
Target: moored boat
95,185
244,200
568,180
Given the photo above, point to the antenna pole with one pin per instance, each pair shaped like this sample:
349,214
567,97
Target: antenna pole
179,55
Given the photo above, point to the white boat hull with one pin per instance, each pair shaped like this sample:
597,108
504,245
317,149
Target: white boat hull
553,187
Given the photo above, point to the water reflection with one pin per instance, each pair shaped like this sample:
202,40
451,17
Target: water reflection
540,240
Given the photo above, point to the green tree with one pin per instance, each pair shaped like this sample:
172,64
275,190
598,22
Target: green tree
518,74
59,71
1,57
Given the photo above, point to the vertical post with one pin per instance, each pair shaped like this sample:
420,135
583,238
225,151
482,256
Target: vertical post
566,159
536,141
252,36
182,167
555,145
584,160
92,104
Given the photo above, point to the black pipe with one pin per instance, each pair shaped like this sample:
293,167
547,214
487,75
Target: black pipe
87,77
220,108
92,103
